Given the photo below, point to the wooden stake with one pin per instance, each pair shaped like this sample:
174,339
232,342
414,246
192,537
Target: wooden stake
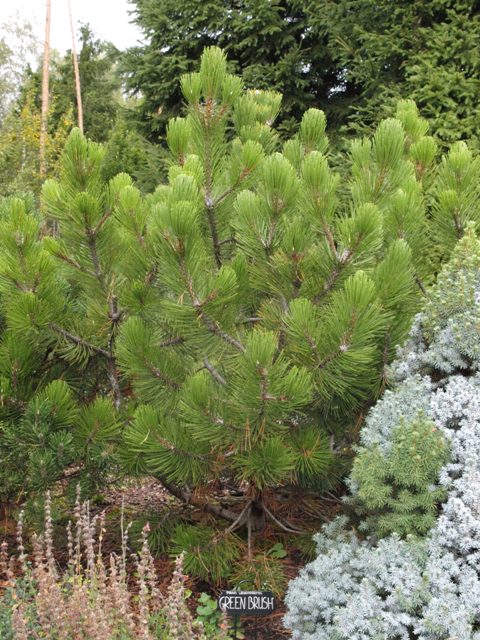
76,69
45,92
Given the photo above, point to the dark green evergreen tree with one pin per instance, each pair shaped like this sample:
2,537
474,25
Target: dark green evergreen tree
127,151
352,58
385,51
269,43
99,83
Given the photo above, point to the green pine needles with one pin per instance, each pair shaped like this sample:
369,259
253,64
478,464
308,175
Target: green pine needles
52,424
280,300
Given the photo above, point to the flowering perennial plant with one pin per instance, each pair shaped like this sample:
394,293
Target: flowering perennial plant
92,599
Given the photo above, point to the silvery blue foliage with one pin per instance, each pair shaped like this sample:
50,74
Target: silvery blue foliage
411,400
423,590
357,591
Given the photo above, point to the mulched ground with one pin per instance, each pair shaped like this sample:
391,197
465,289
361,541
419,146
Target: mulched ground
148,496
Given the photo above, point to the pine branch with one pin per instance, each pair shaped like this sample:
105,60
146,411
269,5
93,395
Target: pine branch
331,242
77,340
115,315
151,275
111,363
226,241
160,375
230,190
457,224
101,222
209,203
342,261
421,286
186,496
114,382
288,528
210,324
386,347
171,342
263,393
335,274
241,518
217,420
342,347
215,328
92,245
214,373
75,264
213,230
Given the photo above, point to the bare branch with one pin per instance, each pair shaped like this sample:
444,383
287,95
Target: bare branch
186,496
240,520
214,373
285,527
78,90
114,381
45,93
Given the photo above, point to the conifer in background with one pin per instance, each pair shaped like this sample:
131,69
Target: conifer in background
383,52
19,146
352,58
269,43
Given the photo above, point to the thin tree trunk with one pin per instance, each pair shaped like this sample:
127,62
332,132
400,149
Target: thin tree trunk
45,92
76,69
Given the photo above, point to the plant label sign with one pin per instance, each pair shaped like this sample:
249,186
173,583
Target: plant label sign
246,603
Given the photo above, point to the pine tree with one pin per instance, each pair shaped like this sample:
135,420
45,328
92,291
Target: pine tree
47,430
281,299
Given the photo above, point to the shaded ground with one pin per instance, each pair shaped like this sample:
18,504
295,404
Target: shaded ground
149,497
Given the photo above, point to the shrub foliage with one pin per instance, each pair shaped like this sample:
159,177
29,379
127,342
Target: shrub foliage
424,588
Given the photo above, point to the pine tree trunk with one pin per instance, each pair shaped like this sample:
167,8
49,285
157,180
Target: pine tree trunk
76,70
45,92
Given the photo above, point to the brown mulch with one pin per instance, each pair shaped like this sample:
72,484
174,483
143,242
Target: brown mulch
147,495
139,495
